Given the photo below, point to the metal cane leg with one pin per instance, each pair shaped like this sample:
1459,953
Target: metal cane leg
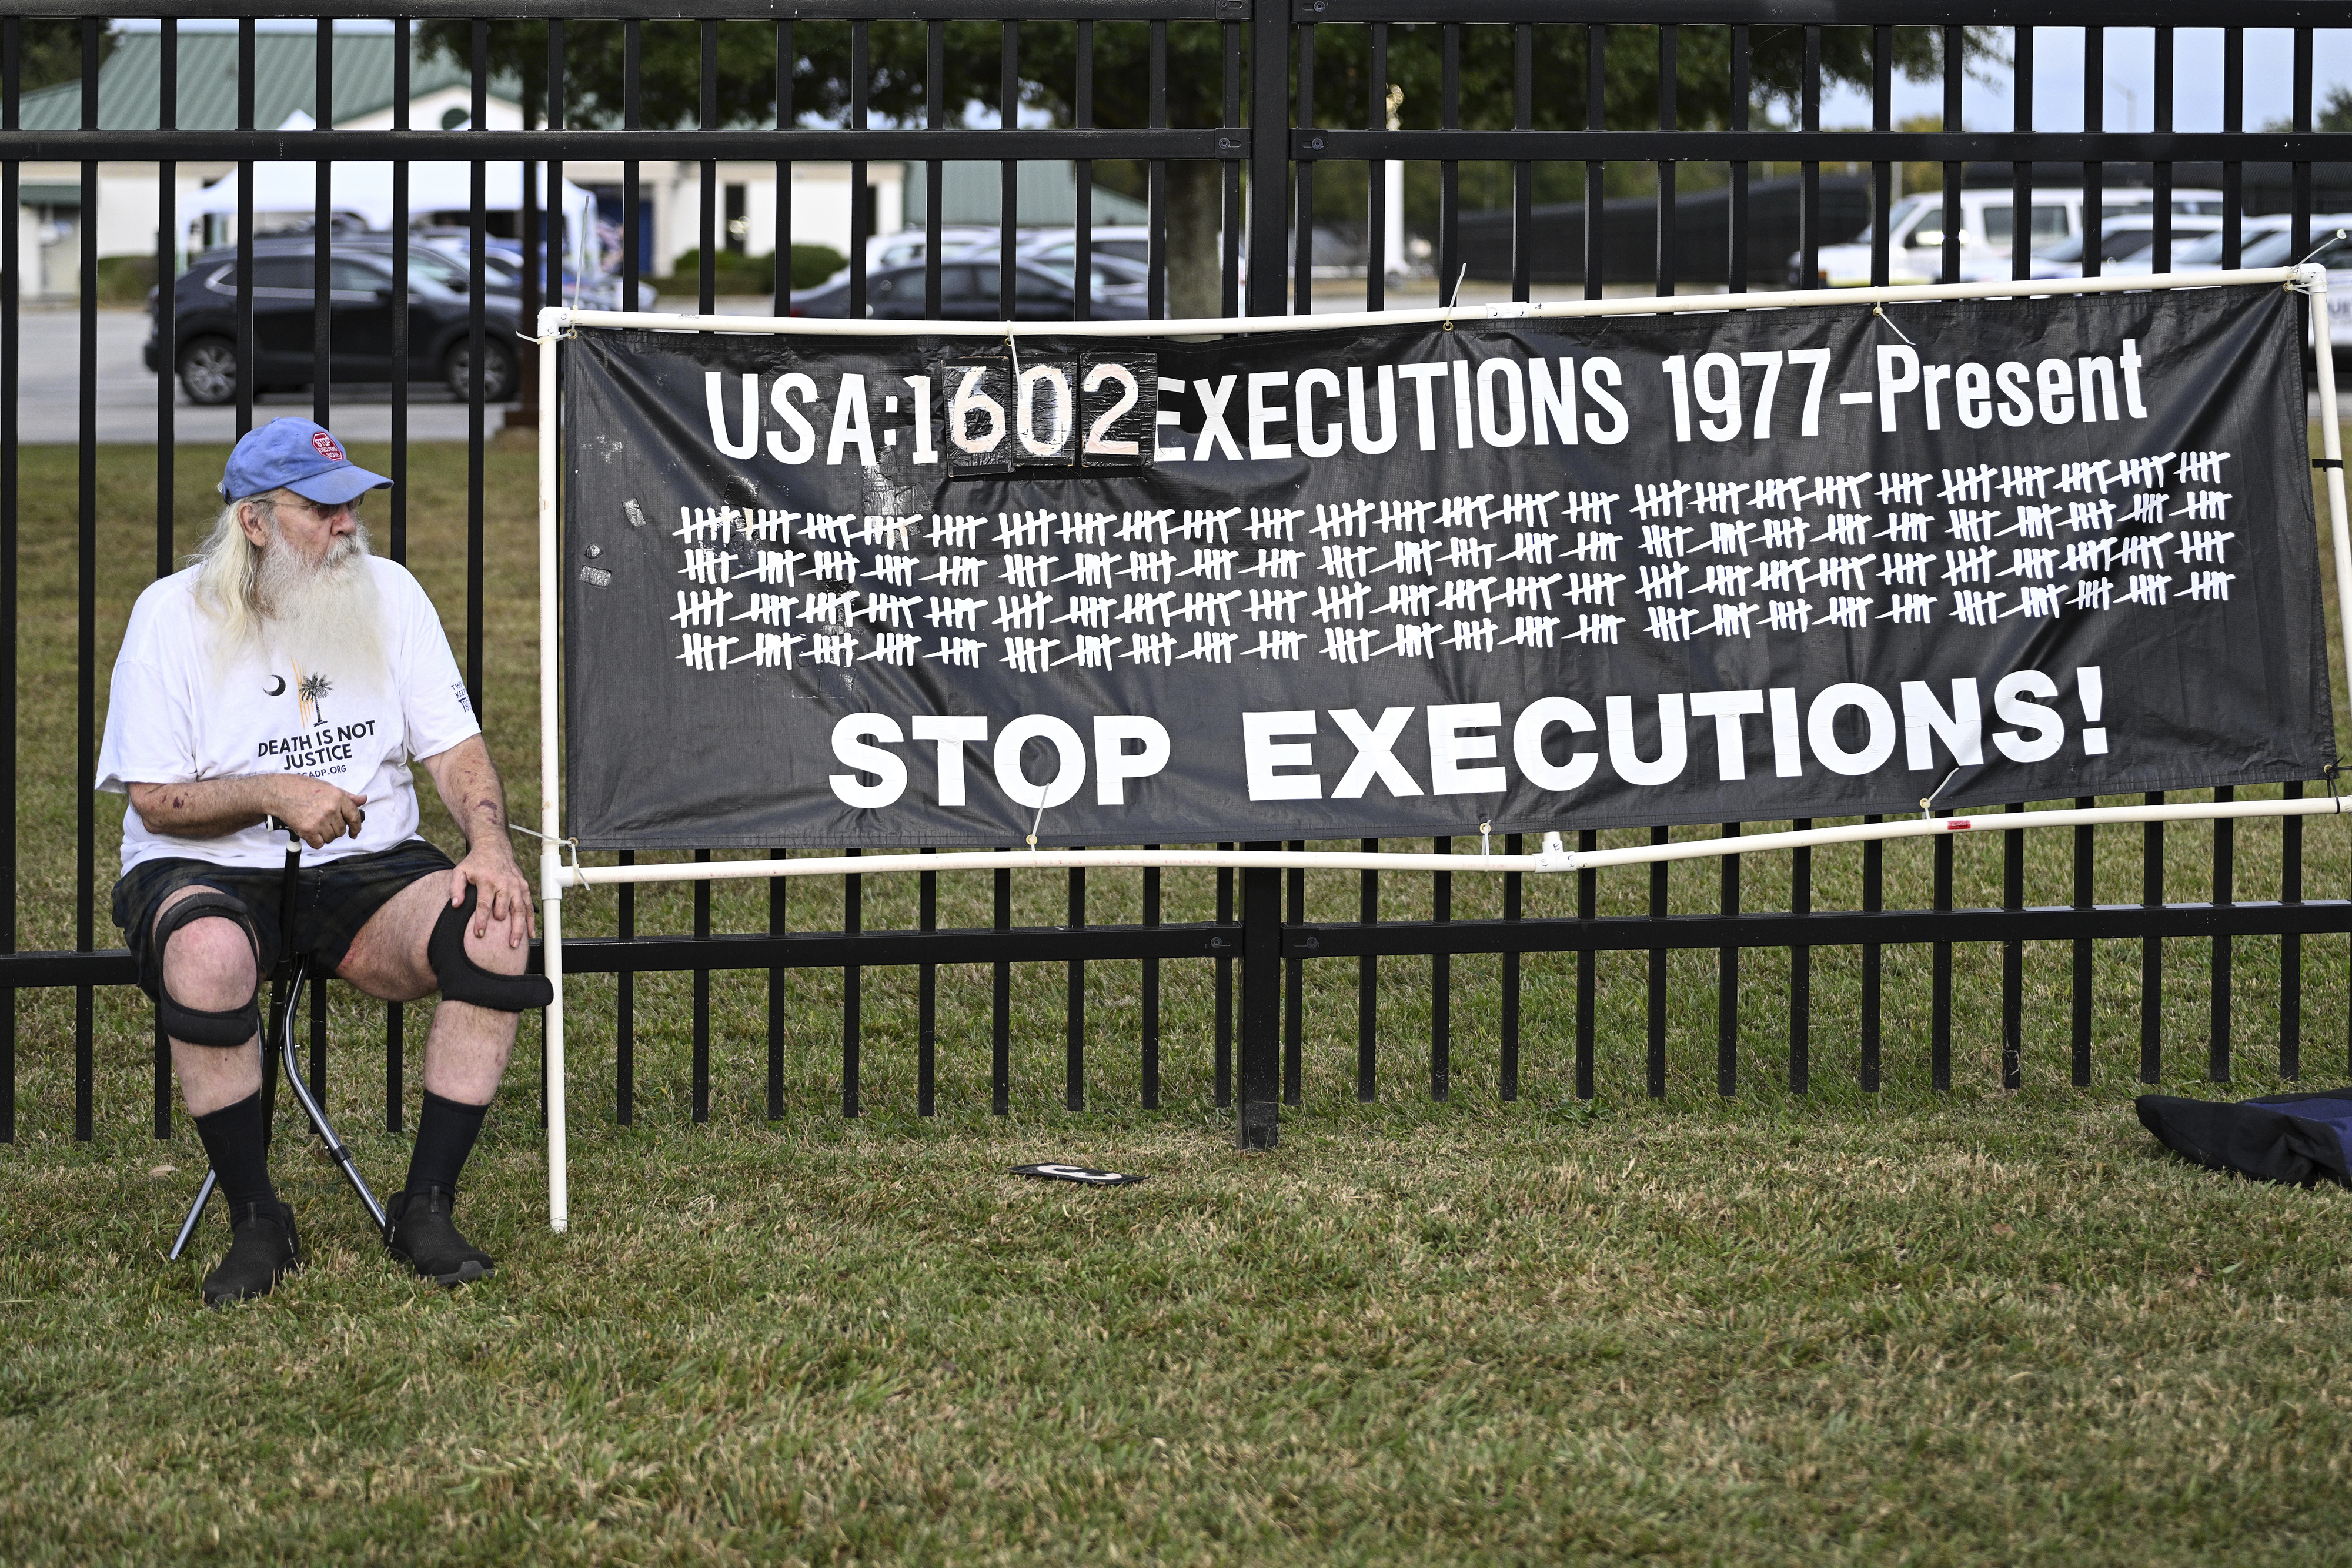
195,1212
311,1108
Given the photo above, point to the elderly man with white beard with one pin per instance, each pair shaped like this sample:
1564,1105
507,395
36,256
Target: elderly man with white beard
287,679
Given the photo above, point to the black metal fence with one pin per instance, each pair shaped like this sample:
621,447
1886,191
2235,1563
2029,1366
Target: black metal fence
858,82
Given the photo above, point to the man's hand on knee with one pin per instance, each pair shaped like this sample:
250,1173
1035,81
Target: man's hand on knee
505,893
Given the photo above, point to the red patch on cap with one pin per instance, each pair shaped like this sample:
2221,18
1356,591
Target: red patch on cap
328,447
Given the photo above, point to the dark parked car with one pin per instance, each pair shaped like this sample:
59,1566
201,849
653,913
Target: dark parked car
967,293
203,354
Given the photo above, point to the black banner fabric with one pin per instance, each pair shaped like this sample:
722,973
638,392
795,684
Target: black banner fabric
1401,580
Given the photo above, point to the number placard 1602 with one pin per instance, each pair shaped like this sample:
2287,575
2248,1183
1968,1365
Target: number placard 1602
1099,411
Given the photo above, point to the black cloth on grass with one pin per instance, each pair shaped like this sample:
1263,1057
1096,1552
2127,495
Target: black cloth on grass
2294,1138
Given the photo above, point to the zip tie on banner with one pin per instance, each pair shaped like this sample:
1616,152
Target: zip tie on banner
1880,311
1485,840
571,846
2297,285
1012,347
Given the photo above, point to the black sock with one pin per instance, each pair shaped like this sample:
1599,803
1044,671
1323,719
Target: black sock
236,1140
446,1131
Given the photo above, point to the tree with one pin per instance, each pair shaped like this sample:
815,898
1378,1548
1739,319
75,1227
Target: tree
670,90
51,51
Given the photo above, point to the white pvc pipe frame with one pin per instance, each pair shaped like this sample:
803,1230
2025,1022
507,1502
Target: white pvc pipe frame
556,323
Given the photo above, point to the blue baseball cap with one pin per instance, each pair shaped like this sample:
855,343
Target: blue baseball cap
298,455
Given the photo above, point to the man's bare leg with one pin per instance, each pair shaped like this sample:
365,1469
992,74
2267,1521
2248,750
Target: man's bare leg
209,967
465,1056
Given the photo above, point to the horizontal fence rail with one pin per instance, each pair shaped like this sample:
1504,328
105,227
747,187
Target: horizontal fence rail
1229,136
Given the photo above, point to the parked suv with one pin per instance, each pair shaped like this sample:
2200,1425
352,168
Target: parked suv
204,353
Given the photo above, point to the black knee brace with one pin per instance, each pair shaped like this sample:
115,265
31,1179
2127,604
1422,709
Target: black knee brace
223,1029
463,980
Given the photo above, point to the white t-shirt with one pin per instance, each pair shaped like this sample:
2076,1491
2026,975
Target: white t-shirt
174,721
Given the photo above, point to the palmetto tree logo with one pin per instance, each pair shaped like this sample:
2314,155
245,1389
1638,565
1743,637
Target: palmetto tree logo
311,690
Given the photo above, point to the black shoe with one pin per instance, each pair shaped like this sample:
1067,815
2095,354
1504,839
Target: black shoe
419,1231
262,1251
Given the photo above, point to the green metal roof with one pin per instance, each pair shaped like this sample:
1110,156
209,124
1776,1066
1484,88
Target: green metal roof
285,80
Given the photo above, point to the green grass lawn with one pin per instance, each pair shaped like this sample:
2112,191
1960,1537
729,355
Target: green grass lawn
1967,1328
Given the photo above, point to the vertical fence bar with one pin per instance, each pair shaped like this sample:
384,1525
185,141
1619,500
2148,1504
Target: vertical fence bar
2233,119
1523,172
935,97
322,249
2085,869
1441,980
1809,172
476,369
861,200
2299,174
779,922
2021,174
12,44
1939,1003
1514,897
1294,988
1955,75
999,1058
1303,178
1074,1064
2291,944
1667,40
245,339
1588,893
624,1005
1224,1057
1008,173
1155,178
701,1020
705,187
1596,117
1800,969
2225,893
631,177
2013,961
395,1018
2094,171
1882,173
86,610
1727,982
1260,1122
1449,169
927,1000
1656,1064
1873,899
2160,116
1376,177
853,979
1229,294
1368,984
167,336
1082,118
1742,89
1151,991
2151,951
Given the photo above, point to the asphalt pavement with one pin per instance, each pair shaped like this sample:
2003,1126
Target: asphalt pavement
48,398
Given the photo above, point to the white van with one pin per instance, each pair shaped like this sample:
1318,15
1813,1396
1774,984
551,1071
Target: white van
1988,224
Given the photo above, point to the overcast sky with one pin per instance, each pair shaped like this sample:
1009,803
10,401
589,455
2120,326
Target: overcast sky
2130,85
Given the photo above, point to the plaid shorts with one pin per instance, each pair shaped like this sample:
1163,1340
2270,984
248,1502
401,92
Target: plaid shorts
331,902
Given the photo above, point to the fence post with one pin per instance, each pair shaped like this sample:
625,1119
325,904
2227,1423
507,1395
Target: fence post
1269,159
1261,1030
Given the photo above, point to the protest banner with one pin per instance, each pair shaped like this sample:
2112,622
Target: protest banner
1393,580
